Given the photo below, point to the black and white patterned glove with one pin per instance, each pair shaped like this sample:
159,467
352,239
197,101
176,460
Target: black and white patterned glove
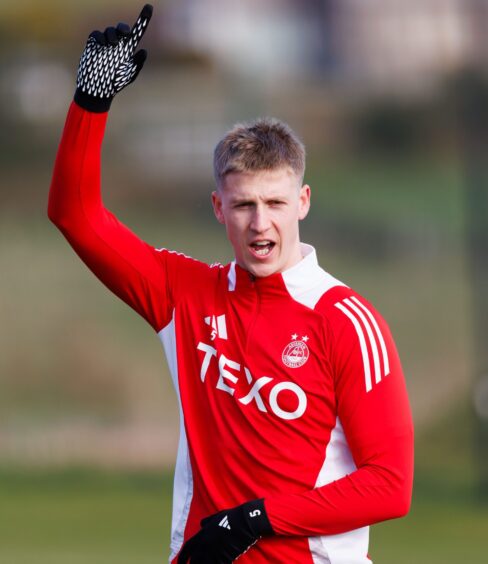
109,63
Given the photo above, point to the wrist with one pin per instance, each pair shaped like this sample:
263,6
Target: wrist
92,103
257,518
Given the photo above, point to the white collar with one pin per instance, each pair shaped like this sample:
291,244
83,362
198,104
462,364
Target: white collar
306,281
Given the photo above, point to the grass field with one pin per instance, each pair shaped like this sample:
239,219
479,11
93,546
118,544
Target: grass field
85,517
80,516
440,532
77,516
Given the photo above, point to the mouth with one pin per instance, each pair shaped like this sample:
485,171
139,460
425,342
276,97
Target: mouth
262,248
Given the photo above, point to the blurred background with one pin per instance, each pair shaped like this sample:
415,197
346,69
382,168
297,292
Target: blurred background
391,99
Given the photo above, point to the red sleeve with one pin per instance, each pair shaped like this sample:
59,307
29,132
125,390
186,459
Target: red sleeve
139,274
373,408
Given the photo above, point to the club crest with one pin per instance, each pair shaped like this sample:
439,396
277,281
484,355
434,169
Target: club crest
296,353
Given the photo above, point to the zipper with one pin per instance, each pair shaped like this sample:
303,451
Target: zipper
256,312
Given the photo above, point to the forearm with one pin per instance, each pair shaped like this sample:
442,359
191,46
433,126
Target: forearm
381,489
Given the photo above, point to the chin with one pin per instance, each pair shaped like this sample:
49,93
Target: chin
263,270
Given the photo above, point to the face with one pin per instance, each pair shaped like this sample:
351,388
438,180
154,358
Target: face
261,211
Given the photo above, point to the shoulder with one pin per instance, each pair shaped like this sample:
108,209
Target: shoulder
184,261
341,302
349,314
189,273
359,337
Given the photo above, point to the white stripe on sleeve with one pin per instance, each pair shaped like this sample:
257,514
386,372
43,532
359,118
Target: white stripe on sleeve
362,344
384,352
372,340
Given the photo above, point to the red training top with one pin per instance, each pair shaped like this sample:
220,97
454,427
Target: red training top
290,386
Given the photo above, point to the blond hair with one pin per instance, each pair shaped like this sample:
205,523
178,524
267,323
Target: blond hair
264,144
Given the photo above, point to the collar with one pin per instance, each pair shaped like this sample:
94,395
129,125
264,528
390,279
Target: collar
304,281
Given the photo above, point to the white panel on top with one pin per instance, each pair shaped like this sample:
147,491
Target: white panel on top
345,548
183,479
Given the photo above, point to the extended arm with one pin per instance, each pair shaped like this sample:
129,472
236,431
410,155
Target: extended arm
128,266
132,269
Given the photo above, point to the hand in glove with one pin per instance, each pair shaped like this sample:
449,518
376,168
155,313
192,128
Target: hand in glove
227,535
109,63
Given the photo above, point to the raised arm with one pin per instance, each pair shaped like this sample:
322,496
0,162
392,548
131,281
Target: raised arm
132,269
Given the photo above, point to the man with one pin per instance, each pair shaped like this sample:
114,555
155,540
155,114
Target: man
296,430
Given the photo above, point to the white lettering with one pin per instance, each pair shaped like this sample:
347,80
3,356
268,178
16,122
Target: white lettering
209,353
228,379
291,387
254,393
247,372
221,385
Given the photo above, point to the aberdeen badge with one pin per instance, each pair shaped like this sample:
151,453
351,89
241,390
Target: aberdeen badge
296,353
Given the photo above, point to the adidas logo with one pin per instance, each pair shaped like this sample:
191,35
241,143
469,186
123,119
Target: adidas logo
218,325
225,523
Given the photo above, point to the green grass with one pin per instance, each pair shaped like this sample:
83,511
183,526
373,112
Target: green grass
77,517
448,521
80,516
435,532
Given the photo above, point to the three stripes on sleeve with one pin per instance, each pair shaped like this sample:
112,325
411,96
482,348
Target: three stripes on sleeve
371,341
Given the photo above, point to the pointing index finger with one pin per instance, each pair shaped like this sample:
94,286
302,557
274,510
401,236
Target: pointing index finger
139,28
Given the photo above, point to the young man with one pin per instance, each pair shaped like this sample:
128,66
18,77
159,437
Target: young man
296,430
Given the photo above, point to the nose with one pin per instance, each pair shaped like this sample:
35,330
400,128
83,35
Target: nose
260,221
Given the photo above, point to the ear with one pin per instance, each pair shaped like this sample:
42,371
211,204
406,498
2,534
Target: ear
217,207
304,201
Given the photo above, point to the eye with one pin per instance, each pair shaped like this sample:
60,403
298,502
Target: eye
276,203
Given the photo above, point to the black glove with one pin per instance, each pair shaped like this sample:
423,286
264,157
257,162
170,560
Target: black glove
109,63
226,535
